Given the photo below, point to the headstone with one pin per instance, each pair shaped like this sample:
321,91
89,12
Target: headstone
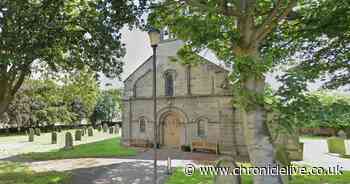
37,131
31,134
105,128
69,141
53,138
168,166
227,162
116,129
341,134
90,132
111,130
78,135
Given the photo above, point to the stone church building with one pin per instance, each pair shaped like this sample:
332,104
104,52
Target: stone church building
193,102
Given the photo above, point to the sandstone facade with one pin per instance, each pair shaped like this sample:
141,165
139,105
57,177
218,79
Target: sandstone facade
198,106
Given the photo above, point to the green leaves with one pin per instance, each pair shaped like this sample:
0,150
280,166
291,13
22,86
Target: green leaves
108,106
62,34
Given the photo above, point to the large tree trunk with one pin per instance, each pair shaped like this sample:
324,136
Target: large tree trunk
9,85
3,107
257,135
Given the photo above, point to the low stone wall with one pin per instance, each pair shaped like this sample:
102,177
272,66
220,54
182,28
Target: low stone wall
318,131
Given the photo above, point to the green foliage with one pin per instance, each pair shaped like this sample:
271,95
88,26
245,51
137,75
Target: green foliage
62,35
108,105
321,42
336,145
313,110
67,99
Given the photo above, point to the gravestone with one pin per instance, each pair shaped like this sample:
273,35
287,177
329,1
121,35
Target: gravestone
227,162
111,130
37,131
69,141
53,138
90,132
105,128
116,129
341,134
31,134
78,135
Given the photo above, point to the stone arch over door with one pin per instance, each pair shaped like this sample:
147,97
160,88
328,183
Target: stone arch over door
172,127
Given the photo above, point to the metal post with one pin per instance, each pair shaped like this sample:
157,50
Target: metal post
155,112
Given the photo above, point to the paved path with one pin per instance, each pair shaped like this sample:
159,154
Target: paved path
139,172
316,154
108,171
15,145
72,164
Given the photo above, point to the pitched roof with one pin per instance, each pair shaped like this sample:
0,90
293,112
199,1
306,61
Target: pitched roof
203,57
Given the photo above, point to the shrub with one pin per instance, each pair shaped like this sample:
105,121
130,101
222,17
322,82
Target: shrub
336,145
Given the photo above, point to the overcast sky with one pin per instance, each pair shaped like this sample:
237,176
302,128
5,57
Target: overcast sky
138,50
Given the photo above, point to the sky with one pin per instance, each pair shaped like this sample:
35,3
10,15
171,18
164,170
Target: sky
138,50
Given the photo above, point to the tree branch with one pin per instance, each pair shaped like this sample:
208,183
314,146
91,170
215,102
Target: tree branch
18,83
274,17
224,10
228,10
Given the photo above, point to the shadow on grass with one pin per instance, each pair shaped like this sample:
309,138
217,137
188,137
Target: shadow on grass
15,173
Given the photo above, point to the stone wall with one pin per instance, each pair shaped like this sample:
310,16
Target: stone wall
200,92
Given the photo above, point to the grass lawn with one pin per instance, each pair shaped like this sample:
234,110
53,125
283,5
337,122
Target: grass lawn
313,137
15,173
105,148
179,177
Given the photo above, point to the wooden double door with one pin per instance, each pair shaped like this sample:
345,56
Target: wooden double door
172,128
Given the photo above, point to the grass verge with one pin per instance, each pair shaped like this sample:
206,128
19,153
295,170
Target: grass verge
100,149
179,177
15,173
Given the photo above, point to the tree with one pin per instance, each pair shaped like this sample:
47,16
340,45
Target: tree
323,44
108,105
253,36
61,34
81,90
66,98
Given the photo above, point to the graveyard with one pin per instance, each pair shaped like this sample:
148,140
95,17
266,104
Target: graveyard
15,145
174,91
76,150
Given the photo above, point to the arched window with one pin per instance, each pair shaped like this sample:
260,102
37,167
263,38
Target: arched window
142,125
169,84
201,124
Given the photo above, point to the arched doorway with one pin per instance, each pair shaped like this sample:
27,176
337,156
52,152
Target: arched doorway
172,129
